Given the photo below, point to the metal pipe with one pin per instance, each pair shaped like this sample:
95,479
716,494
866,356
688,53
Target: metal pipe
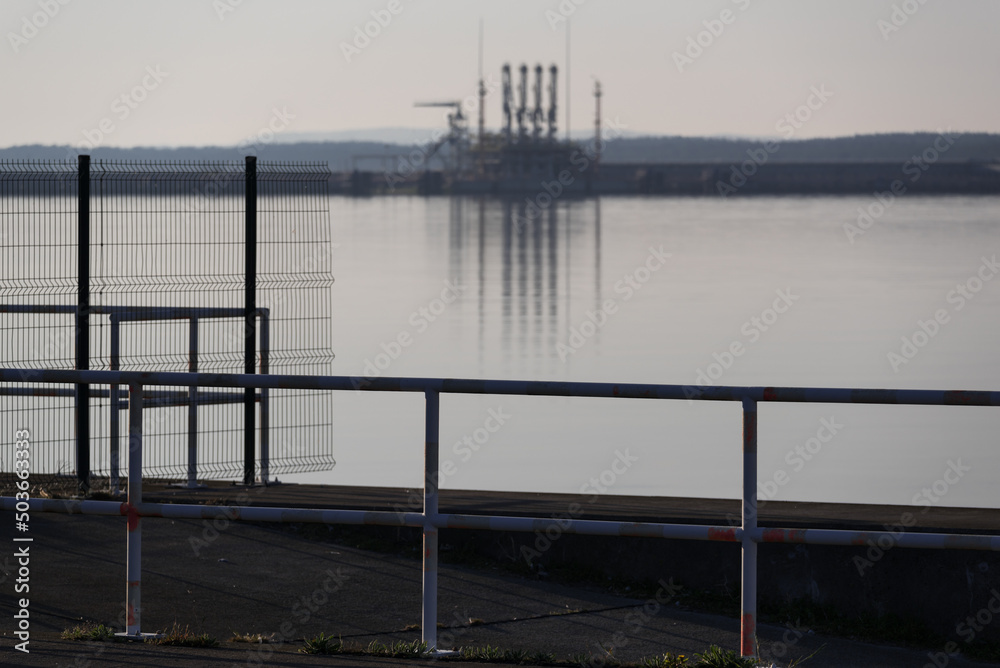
192,468
250,320
82,323
568,525
265,404
114,433
514,387
130,312
882,539
133,599
428,624
748,585
182,511
151,398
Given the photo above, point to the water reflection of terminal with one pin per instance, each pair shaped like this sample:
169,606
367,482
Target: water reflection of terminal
506,250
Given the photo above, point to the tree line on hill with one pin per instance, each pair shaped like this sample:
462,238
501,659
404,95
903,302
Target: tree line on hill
346,155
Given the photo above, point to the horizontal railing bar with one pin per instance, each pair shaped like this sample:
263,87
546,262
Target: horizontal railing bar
512,387
152,399
134,312
881,539
231,513
589,527
914,539
383,518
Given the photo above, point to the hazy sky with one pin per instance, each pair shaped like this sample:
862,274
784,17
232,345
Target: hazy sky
217,71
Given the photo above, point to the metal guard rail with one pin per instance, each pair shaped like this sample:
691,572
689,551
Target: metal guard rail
430,520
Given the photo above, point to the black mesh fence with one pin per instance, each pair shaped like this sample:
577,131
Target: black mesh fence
167,292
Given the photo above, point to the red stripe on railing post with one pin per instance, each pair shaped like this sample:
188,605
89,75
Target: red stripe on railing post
429,609
748,593
133,576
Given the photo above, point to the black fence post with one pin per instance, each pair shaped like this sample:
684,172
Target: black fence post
82,338
250,324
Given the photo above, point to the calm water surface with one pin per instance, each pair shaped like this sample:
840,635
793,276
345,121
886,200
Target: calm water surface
757,291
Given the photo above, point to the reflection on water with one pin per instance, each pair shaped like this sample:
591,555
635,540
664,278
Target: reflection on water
531,277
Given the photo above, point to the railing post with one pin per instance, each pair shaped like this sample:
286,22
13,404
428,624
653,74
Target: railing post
249,324
265,406
82,323
114,433
428,623
192,471
748,592
133,600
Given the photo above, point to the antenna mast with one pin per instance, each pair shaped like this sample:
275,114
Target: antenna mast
482,99
567,80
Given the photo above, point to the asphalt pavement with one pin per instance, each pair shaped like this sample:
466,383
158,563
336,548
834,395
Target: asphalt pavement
248,579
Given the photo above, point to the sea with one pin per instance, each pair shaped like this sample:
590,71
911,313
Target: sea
810,291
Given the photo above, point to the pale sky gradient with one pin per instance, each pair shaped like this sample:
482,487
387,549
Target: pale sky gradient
224,76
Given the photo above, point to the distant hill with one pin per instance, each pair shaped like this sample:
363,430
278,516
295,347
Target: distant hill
979,147
344,155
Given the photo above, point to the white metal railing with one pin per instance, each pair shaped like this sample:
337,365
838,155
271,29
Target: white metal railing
190,398
430,519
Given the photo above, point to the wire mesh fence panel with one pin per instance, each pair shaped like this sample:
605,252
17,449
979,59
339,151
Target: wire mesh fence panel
294,281
167,292
38,267
166,247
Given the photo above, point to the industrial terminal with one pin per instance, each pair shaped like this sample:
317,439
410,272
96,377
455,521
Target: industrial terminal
526,155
